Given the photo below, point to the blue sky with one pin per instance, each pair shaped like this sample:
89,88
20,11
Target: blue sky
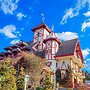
70,18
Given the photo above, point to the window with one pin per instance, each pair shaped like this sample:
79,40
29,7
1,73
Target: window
56,64
38,34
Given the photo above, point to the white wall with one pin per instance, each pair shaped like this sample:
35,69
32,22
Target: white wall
67,62
46,33
40,38
53,66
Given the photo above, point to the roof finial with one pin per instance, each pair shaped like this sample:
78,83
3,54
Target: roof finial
52,27
43,18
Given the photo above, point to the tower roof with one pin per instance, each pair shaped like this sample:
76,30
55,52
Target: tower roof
42,25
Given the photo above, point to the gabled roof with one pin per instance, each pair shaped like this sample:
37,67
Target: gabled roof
42,25
67,48
1,54
41,53
30,46
36,52
16,45
30,42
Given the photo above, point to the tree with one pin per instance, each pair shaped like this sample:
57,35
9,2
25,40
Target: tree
20,79
33,66
67,80
7,75
87,76
86,73
68,77
58,76
48,84
28,64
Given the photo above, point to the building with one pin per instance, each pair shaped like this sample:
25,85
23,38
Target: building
58,54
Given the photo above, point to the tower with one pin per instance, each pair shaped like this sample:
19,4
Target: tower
52,44
40,33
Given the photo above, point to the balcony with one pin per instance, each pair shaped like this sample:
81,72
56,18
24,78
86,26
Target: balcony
78,73
78,62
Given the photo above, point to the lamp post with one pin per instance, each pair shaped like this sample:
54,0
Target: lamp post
26,80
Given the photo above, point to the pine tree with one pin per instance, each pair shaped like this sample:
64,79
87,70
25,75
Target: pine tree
20,79
7,75
48,85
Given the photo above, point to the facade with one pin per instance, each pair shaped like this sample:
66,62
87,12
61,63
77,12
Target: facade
58,54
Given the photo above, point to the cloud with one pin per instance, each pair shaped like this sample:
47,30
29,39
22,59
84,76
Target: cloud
20,16
9,31
67,35
17,1
43,17
14,41
86,24
86,52
69,14
87,14
88,59
72,12
9,6
82,36
31,9
87,64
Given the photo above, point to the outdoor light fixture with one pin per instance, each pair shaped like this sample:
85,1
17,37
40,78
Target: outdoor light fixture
26,80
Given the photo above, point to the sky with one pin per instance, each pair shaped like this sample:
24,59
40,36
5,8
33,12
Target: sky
70,18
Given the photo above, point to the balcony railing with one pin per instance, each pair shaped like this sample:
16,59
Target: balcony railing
79,74
78,62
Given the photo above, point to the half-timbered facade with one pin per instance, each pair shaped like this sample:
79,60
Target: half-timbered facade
59,54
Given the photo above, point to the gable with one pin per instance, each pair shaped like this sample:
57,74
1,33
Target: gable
63,66
78,52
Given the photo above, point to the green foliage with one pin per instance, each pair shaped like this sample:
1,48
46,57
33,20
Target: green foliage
67,80
7,75
33,67
20,83
48,85
20,80
58,76
29,64
87,75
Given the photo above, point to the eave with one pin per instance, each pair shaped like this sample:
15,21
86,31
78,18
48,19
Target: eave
41,26
56,39
71,57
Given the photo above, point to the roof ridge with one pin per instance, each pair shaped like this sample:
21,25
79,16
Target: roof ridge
70,39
